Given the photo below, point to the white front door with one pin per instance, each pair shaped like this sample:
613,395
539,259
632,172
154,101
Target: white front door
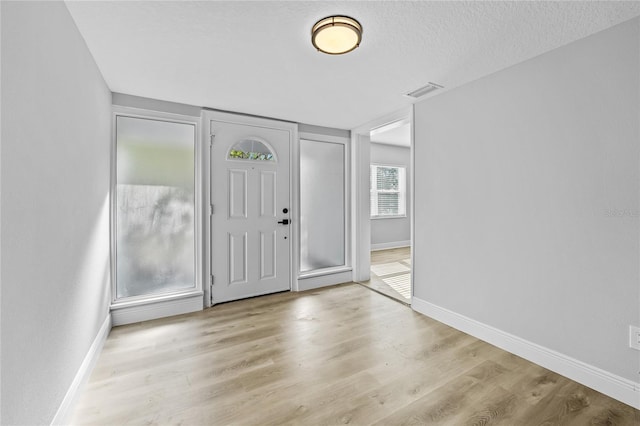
250,195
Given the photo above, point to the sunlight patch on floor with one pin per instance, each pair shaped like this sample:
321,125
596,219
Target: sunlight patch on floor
400,283
389,268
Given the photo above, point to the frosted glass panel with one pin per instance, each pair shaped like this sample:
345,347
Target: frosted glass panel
154,207
322,221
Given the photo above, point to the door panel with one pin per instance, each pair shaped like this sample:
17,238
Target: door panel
237,258
268,194
250,250
238,194
268,255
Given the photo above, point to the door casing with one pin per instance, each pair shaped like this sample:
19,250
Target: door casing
360,161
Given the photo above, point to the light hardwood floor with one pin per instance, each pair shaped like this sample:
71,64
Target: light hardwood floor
391,273
339,355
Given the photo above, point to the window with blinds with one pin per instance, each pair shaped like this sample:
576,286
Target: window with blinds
388,191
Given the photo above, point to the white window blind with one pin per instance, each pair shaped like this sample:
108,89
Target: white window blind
388,191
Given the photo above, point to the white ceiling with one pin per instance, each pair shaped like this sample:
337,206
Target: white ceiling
257,58
398,133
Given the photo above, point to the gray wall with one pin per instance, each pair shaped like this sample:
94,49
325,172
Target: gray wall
319,130
131,101
55,227
385,231
527,204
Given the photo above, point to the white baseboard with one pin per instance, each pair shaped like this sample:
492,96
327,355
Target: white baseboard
390,245
309,283
159,309
83,374
616,387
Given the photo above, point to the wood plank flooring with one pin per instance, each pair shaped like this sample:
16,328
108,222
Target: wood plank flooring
391,273
339,355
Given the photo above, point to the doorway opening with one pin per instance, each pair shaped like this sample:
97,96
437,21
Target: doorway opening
386,245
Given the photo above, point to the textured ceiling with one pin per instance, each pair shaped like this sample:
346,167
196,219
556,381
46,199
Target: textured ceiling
257,58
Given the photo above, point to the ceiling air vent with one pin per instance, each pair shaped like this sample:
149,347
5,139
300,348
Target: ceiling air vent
418,93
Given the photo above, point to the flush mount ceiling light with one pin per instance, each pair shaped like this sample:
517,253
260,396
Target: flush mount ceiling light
336,35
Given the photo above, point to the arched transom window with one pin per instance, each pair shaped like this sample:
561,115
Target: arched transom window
252,149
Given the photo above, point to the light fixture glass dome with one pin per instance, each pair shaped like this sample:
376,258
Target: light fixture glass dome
336,35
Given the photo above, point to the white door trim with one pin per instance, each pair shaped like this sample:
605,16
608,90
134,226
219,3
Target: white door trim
242,119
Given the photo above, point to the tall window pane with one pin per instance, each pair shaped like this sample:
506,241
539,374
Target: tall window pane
322,221
155,247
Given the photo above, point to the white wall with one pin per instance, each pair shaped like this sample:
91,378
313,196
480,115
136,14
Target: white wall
131,101
323,131
519,175
55,212
394,232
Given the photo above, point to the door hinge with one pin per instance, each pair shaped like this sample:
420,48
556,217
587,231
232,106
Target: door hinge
211,209
211,291
211,138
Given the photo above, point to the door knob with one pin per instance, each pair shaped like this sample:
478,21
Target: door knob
284,221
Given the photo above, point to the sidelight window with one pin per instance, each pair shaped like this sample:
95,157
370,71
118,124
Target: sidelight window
154,207
322,205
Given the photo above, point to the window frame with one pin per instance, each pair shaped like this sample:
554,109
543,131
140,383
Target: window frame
196,290
402,192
